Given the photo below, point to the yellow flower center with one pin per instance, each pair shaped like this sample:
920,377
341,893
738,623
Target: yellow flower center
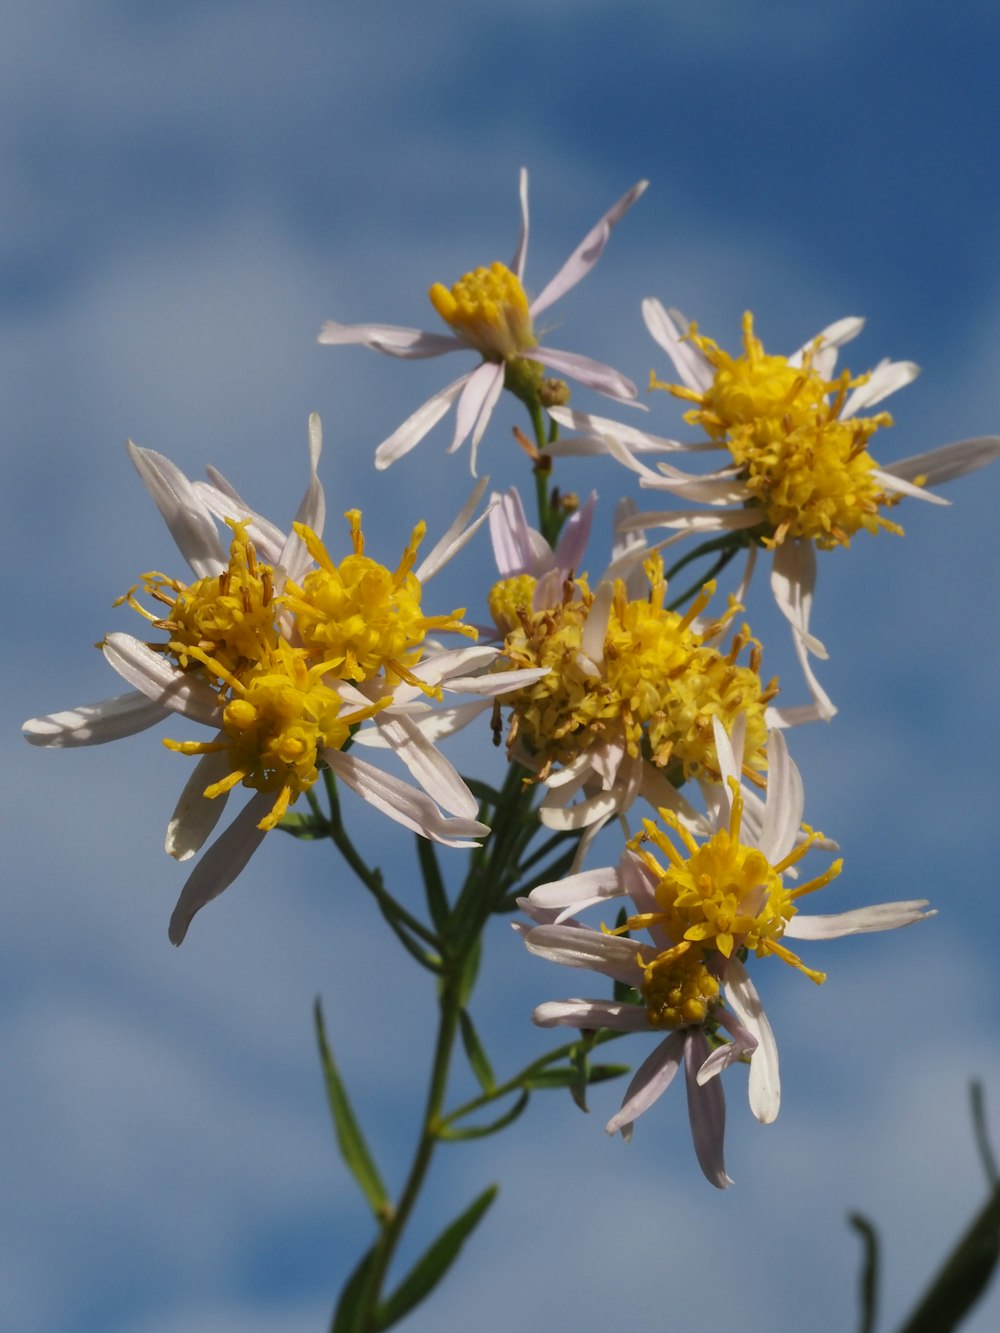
808,471
489,309
279,720
679,992
658,682
228,617
724,895
359,618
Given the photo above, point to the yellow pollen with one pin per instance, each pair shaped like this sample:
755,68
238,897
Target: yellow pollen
489,309
808,471
359,618
658,684
229,616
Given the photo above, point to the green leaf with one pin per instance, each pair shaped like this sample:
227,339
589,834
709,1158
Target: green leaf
869,1271
348,1316
562,1077
964,1277
579,1057
350,1140
484,1131
424,1276
301,825
482,791
437,899
466,979
478,1061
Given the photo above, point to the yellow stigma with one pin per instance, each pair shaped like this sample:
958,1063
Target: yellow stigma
678,991
657,683
489,309
279,720
723,895
228,617
359,618
809,472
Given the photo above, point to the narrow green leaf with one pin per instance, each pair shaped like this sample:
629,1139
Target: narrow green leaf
578,1058
437,899
869,1271
482,791
350,1140
301,825
964,1276
431,1267
561,1077
982,1133
477,1058
349,1314
484,1131
470,970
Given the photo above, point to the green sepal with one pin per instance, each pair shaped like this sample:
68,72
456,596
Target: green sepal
431,1267
566,1078
484,1131
478,1061
349,1314
964,1277
308,827
350,1140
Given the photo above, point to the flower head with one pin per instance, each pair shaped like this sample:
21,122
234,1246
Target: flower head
488,312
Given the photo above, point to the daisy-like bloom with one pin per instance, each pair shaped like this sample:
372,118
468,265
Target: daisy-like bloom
799,474
489,313
282,652
708,905
627,704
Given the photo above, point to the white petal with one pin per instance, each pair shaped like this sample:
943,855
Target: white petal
517,547
785,801
294,557
405,804
521,253
595,628
436,774
456,535
410,344
706,1112
765,1082
897,486
591,1015
195,815
650,1082
415,427
576,946
579,891
880,916
793,577
166,685
220,865
599,428
587,253
184,512
691,364
948,462
435,724
886,378
594,374
95,724
223,500
479,397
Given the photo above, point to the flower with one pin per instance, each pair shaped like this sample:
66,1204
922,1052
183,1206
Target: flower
707,906
799,476
489,314
282,652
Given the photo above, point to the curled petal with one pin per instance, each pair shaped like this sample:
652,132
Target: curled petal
650,1082
765,1081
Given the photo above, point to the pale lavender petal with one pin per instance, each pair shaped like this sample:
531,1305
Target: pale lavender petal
706,1112
599,428
690,362
887,377
294,557
517,547
785,801
415,427
650,1082
765,1082
95,724
574,946
478,399
184,512
221,864
897,486
521,253
879,916
947,462
436,774
594,374
196,815
826,343
590,1015
572,544
405,804
409,344
587,253
165,684
579,891
793,577
456,535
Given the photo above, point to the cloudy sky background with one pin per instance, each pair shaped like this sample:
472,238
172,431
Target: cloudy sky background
189,191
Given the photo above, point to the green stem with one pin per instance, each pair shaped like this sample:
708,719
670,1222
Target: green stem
697,586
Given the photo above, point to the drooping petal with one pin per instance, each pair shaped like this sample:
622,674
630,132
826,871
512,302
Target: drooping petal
221,864
785,801
587,253
650,1082
879,916
95,724
408,344
165,684
793,578
591,1015
765,1081
436,774
416,426
405,804
706,1112
475,406
195,815
184,512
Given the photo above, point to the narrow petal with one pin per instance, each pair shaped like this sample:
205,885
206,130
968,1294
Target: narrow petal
948,462
886,378
574,946
405,804
880,916
95,724
573,539
409,344
591,1015
765,1082
517,547
195,815
579,891
223,501
650,1082
435,724
458,533
220,865
690,362
294,558
897,486
587,253
415,427
706,1112
479,396
599,428
436,774
166,685
785,801
185,514
521,253
594,374
793,577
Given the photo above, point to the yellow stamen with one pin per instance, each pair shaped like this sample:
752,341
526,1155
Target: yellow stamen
489,309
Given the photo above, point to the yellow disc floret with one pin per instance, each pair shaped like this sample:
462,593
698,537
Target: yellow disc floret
651,678
279,720
808,470
678,991
489,309
358,617
230,617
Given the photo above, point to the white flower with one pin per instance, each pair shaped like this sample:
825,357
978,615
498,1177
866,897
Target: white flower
714,901
273,656
799,474
490,315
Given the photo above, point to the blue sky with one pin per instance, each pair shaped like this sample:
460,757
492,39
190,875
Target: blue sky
189,191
